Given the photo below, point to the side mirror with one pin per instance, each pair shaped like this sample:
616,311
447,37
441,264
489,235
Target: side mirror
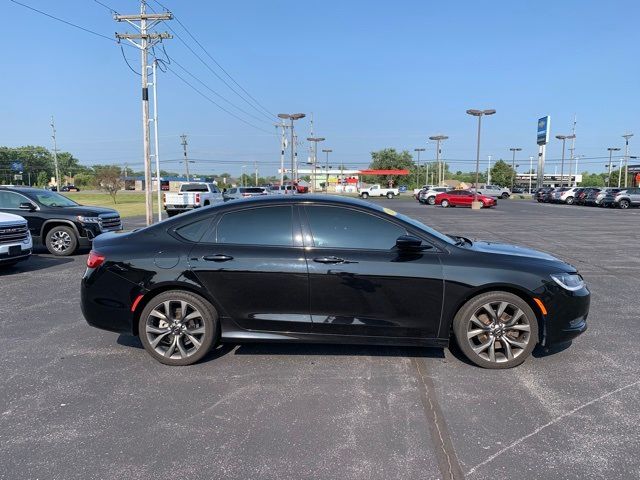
27,206
409,242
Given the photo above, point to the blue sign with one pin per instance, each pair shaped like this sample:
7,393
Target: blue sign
544,127
16,166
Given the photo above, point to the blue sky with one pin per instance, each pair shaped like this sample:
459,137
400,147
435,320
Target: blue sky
374,74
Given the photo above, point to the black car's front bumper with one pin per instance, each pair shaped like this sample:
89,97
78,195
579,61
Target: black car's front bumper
566,316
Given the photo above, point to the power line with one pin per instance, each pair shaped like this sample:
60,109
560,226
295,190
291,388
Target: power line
270,116
217,104
64,21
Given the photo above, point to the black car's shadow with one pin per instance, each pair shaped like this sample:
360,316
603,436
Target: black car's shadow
33,264
291,349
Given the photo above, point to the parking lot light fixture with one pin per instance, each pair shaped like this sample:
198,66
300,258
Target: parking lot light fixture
326,182
611,150
476,205
564,139
513,162
292,117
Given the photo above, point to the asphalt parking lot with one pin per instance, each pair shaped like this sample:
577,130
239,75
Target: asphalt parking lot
79,403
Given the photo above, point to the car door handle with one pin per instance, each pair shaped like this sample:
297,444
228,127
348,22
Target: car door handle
328,260
219,257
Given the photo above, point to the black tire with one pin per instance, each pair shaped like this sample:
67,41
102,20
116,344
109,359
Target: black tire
569,201
431,200
504,195
206,203
364,195
494,333
61,241
624,203
207,320
445,203
390,195
171,213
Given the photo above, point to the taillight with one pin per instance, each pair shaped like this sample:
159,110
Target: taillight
246,194
94,260
197,198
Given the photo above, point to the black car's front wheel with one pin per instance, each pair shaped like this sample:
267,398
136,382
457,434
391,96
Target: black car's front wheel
178,328
496,330
61,241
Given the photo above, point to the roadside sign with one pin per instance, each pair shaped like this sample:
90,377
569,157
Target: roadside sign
16,166
544,127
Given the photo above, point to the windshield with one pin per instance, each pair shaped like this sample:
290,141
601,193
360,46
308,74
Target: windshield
419,225
52,199
194,187
252,190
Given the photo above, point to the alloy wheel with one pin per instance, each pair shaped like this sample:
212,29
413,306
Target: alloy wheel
498,332
175,329
60,241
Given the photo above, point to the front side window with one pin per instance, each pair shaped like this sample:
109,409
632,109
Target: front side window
268,226
337,227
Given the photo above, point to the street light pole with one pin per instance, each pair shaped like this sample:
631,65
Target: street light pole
315,141
292,117
326,181
438,139
530,173
513,162
418,169
626,137
611,150
564,138
478,113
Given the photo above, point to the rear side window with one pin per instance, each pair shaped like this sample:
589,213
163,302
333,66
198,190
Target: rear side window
267,226
337,227
193,232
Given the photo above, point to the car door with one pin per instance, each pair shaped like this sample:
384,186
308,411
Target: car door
10,203
464,198
634,196
361,284
251,266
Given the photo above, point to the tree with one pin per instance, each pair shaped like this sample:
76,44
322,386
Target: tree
390,159
502,173
43,179
108,178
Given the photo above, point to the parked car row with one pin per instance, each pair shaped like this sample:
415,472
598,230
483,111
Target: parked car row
590,196
448,197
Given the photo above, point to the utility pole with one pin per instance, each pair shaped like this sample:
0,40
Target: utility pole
55,153
255,170
489,170
143,22
418,169
626,137
572,150
184,151
326,182
156,148
513,165
315,141
438,139
283,146
530,173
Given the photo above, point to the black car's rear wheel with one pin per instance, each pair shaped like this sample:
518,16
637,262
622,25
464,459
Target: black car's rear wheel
178,328
496,330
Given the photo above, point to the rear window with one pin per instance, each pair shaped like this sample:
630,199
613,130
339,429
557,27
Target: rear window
194,187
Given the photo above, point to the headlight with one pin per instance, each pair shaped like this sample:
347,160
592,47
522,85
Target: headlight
568,281
84,219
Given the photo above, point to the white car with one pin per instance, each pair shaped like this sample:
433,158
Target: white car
495,191
416,191
429,196
565,195
190,196
377,191
15,239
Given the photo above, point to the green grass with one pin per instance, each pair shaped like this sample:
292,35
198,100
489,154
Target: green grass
129,204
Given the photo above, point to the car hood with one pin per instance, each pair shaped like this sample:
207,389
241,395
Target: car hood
10,218
514,250
89,211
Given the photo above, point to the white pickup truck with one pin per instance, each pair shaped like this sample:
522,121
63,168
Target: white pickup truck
15,239
494,191
377,191
190,196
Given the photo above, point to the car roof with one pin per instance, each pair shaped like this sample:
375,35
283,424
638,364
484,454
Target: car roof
18,188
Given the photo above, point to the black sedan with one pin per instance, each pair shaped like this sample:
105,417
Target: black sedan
313,269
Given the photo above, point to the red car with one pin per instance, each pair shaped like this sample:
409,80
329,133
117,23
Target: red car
463,198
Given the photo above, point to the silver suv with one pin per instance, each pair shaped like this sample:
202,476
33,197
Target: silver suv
627,198
429,195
